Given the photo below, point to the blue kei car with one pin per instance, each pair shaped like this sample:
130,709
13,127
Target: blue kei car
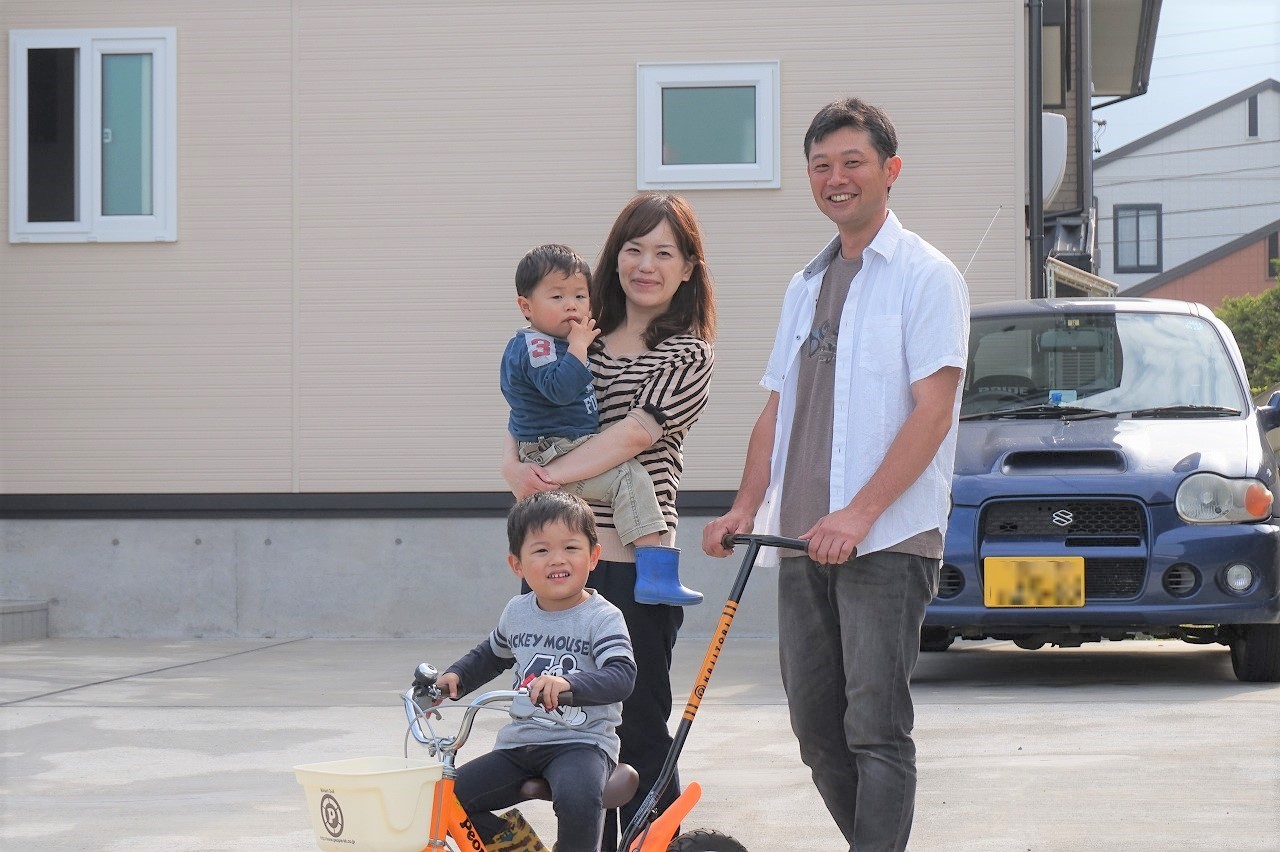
1113,479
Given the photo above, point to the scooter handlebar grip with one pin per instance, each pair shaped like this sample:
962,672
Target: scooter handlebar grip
764,541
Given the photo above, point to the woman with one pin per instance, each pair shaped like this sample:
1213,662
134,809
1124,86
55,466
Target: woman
653,301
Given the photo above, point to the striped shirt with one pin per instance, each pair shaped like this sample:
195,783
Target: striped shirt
670,384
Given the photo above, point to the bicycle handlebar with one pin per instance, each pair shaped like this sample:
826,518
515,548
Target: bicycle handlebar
521,707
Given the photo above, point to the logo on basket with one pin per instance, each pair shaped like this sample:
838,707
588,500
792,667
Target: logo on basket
331,815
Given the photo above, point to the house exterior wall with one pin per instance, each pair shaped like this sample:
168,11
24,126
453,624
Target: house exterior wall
356,183
1241,273
1214,184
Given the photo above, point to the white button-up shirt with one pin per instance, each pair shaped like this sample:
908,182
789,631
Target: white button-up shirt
906,317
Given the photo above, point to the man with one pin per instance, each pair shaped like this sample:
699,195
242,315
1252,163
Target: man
855,448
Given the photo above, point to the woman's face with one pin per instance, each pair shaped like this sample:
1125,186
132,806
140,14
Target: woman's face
651,269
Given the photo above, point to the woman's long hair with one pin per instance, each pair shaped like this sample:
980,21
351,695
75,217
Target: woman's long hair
693,310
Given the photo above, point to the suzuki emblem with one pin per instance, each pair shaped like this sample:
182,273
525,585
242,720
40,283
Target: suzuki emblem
1063,518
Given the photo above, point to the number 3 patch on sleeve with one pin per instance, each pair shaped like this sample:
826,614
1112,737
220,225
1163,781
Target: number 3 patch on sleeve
542,349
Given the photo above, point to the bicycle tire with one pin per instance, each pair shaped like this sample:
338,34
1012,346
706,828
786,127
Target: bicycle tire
705,841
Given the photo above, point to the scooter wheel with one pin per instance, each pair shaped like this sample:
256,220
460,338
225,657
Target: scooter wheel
705,841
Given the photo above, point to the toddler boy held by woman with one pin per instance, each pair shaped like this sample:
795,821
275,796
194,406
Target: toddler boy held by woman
547,384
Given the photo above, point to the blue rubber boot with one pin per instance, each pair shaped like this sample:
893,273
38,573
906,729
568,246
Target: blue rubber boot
658,578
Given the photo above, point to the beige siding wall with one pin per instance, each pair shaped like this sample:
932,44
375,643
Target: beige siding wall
357,181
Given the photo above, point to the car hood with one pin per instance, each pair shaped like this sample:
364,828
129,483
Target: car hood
1143,458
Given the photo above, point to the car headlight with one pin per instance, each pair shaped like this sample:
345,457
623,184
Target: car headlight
1206,498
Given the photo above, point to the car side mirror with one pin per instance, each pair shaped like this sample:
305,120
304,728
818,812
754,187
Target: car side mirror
1269,414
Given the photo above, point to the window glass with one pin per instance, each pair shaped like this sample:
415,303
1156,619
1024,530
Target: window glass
1112,362
51,135
1146,237
1127,238
126,134
708,125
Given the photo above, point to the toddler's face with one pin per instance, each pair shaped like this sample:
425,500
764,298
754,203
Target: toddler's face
556,303
555,561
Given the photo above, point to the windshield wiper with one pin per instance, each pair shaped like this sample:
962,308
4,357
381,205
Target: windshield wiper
1066,412
1185,411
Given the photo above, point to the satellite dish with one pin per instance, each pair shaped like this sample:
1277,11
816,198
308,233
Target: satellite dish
1053,161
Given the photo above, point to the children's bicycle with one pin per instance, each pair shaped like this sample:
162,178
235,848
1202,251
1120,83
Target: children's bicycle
448,817
649,831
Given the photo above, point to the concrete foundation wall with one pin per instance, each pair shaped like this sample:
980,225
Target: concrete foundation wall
328,577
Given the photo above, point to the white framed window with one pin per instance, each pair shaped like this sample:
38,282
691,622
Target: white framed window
93,135
708,125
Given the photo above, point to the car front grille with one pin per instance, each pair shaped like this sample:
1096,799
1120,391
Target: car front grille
1065,520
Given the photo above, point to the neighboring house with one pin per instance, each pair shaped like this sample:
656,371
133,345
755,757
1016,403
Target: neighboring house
1190,210
1246,266
258,274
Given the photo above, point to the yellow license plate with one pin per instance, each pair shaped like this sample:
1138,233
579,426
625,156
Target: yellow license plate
1033,581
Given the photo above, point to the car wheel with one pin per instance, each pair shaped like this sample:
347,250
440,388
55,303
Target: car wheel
934,639
1255,653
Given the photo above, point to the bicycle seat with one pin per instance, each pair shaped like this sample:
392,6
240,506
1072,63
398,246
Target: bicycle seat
618,790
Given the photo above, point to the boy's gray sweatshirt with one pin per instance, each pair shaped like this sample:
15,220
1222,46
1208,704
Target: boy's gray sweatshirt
587,644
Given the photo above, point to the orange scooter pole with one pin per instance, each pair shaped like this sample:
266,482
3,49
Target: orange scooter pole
648,832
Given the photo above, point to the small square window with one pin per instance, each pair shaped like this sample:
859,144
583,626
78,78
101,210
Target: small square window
1137,230
711,125
93,135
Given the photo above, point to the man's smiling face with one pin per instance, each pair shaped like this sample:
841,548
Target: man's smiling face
849,183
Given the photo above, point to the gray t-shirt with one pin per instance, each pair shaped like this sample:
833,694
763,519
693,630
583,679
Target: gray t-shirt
578,639
806,484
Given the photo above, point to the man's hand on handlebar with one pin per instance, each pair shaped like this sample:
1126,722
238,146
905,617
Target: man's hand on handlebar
834,539
715,533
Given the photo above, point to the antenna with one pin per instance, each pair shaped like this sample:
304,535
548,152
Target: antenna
983,240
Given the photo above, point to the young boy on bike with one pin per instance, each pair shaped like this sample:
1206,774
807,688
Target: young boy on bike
560,636
548,385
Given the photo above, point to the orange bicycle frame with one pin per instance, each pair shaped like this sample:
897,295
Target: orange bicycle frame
449,818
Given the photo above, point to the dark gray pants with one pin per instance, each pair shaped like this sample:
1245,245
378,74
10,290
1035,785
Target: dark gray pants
849,637
576,772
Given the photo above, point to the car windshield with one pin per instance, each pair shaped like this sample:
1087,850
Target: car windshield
1105,363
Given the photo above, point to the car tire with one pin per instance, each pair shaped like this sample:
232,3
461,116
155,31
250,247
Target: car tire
935,639
1255,653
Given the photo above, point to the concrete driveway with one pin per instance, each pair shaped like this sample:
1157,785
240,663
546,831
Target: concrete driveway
177,746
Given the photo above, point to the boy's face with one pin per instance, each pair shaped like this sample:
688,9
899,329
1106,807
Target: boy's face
555,562
556,303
